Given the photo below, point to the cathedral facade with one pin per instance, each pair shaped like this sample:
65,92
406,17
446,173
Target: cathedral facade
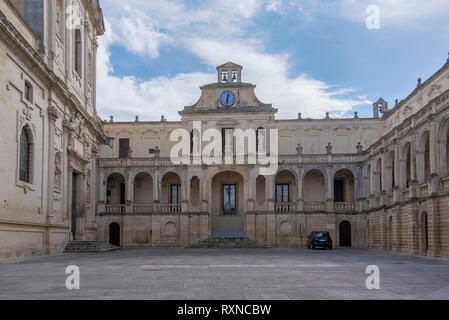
49,129
227,168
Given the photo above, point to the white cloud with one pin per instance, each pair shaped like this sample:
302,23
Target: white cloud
206,32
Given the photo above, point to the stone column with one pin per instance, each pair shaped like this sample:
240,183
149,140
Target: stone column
251,188
129,192
359,190
300,187
434,149
329,189
52,117
270,180
185,187
203,191
372,186
420,164
156,191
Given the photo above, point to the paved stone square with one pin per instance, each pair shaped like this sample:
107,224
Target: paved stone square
204,274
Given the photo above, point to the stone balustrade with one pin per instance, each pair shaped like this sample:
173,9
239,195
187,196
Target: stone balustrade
445,184
344,206
171,207
143,208
115,208
285,207
424,189
315,206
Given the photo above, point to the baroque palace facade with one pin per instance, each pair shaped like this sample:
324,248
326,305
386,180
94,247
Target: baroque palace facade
49,129
380,182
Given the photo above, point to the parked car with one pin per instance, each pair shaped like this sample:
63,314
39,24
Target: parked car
319,239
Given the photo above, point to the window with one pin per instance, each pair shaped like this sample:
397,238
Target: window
339,190
25,156
78,52
282,193
28,92
175,193
229,199
227,134
123,148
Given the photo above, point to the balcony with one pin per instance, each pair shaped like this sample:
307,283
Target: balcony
143,208
172,207
285,207
115,208
390,199
405,195
344,206
445,184
315,206
424,190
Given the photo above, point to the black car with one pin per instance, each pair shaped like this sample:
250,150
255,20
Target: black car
319,239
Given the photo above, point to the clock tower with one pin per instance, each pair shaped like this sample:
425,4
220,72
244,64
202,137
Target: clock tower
228,94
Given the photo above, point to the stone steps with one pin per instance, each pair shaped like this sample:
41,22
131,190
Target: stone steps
228,243
89,246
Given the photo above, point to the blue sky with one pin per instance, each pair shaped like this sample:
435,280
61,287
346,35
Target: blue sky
310,56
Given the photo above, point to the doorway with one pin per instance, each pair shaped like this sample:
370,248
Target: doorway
345,234
74,204
114,234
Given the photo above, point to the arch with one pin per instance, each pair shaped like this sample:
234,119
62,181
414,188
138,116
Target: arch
344,186
26,155
391,174
345,234
228,204
194,191
423,171
114,234
143,189
285,186
115,189
406,165
443,147
314,186
368,182
171,188
261,183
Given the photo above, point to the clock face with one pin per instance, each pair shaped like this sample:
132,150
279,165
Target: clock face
227,98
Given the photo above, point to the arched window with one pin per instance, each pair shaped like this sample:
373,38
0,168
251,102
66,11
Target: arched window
25,156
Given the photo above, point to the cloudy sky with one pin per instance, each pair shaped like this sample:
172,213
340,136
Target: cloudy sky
308,56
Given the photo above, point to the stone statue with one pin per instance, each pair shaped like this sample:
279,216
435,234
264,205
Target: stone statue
299,149
329,148
76,123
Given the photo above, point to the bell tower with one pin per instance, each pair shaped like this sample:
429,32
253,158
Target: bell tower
229,73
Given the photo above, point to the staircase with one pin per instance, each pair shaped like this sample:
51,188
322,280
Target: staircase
227,243
89,246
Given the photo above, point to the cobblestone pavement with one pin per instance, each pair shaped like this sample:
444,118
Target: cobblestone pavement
255,274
